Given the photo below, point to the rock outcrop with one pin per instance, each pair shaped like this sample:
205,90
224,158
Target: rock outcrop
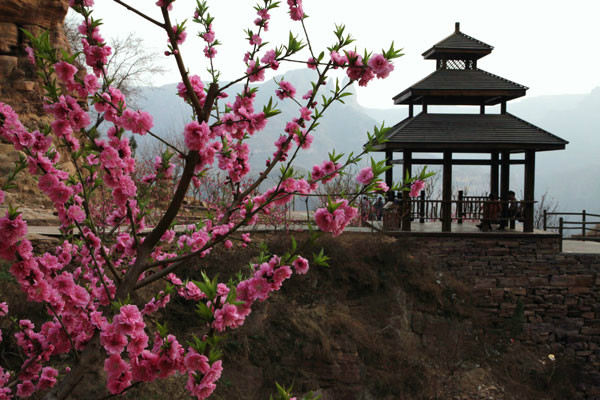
19,86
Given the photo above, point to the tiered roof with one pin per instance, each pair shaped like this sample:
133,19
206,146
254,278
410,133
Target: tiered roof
461,86
470,132
458,44
458,81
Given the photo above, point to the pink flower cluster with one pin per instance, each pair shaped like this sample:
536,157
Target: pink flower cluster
286,90
296,11
365,176
197,86
180,34
94,48
416,187
335,221
377,65
263,19
325,172
268,277
12,231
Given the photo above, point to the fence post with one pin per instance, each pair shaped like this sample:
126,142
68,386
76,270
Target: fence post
459,207
544,219
422,207
560,232
583,224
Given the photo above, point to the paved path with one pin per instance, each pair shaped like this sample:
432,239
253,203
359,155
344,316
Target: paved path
581,246
569,246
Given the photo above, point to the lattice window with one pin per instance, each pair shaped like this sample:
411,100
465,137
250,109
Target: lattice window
455,64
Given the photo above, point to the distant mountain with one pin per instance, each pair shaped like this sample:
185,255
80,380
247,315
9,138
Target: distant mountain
570,176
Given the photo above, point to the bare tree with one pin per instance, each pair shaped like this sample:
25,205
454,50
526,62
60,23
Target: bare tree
548,203
131,65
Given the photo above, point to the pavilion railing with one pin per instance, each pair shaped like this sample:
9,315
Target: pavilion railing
464,208
589,229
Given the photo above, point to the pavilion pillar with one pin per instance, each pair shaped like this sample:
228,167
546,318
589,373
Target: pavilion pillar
447,193
411,110
406,206
389,174
528,213
504,182
494,172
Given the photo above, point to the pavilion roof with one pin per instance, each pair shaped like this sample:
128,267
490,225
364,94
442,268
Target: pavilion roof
469,133
459,43
464,86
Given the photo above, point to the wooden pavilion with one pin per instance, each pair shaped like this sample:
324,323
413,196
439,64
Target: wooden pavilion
458,81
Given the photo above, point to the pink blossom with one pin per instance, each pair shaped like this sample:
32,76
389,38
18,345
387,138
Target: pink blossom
416,187
129,320
227,317
269,58
296,12
338,59
365,176
255,40
380,66
65,71
196,362
285,90
209,36
255,73
317,173
196,135
165,3
47,378
25,389
113,341
300,265
210,52
76,213
382,186
180,35
30,55
11,230
335,222
305,113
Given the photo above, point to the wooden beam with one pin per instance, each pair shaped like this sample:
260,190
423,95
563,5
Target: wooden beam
406,171
503,107
463,161
482,109
529,191
447,193
410,110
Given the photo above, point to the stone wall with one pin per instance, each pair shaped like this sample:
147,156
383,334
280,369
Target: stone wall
553,297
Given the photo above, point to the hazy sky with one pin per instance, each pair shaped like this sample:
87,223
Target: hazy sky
548,45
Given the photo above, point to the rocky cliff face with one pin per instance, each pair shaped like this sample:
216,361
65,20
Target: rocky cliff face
18,81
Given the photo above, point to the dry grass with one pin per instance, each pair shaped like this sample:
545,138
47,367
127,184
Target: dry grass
349,332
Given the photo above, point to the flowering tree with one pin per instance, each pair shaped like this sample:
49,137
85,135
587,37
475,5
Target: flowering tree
86,283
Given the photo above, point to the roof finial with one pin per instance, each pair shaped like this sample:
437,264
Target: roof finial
457,27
